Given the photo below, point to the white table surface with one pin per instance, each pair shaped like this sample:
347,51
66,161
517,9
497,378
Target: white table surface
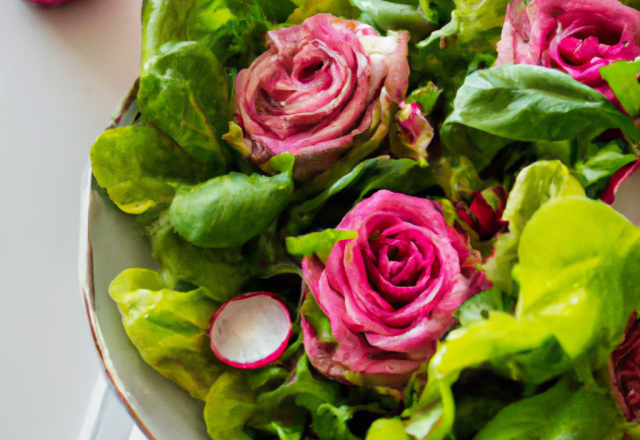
63,70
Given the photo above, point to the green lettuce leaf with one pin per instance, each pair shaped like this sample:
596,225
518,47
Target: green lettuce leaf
466,43
386,429
277,11
567,410
169,328
139,167
387,15
575,293
320,243
622,77
318,320
535,185
526,103
177,94
229,210
231,29
595,172
308,8
222,272
270,400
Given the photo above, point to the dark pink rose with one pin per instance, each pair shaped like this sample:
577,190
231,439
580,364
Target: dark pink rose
322,88
624,368
390,292
577,37
484,215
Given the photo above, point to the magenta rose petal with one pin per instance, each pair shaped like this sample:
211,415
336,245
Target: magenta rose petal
315,91
577,37
389,293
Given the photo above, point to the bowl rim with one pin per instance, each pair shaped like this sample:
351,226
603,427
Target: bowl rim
123,116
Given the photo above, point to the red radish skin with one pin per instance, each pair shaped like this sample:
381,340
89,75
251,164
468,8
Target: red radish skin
243,308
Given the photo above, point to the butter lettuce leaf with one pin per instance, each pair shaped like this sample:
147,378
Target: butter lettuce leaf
577,293
183,91
140,166
169,328
535,185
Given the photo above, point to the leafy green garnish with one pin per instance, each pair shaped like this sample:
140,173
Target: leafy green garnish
319,243
169,328
576,292
139,167
183,91
526,103
622,77
229,210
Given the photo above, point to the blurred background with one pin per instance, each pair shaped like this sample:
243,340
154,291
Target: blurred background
63,70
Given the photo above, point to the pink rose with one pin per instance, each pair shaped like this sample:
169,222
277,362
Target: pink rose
322,88
389,293
577,37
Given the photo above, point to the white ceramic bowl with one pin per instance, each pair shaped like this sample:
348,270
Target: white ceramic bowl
109,243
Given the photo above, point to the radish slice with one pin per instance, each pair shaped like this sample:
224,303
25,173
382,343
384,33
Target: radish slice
250,331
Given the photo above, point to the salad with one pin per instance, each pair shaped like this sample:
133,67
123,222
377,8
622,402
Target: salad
386,219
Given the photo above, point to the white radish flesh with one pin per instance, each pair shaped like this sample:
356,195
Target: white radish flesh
251,331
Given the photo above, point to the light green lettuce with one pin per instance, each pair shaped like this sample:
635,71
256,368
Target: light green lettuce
535,185
578,262
140,166
169,328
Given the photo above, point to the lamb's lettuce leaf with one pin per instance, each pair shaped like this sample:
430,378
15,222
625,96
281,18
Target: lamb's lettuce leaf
183,91
535,185
139,167
497,106
227,211
575,292
169,328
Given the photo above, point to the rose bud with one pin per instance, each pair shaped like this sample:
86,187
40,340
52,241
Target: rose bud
577,37
390,293
414,133
484,215
323,88
624,368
